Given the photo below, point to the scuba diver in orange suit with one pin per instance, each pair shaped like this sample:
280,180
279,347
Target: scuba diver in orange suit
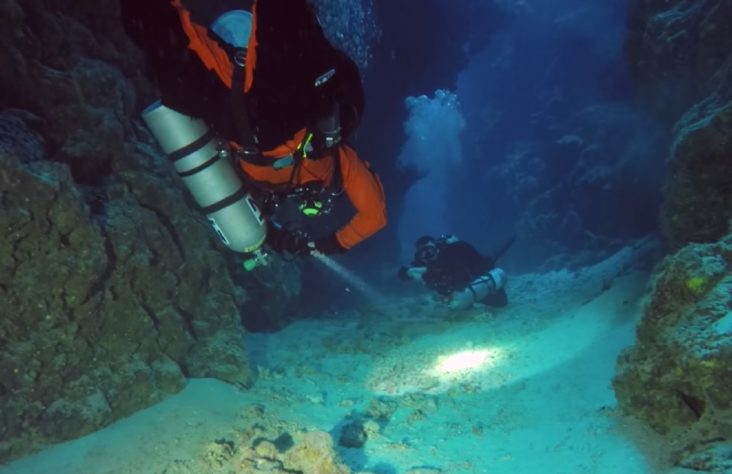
285,100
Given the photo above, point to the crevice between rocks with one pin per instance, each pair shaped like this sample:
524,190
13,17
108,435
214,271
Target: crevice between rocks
695,405
165,221
153,317
187,319
106,274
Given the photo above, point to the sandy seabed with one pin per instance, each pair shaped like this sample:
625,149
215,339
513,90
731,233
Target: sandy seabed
524,389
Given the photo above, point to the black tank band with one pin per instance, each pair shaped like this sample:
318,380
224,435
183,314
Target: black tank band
191,147
217,206
472,290
201,167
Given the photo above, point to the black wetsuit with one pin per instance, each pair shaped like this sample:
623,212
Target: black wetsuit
456,266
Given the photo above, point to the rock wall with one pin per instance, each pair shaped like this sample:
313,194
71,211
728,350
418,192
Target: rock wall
113,289
681,56
554,150
676,49
579,191
698,191
677,377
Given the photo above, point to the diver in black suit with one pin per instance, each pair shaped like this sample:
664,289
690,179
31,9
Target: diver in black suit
457,272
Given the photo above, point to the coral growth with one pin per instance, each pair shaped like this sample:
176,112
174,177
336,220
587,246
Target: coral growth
677,376
266,446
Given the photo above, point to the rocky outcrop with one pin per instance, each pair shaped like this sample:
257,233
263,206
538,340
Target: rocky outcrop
553,150
268,446
113,289
680,55
676,49
106,307
269,293
578,193
697,194
677,377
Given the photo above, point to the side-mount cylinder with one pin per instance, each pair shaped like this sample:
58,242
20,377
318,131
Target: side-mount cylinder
209,176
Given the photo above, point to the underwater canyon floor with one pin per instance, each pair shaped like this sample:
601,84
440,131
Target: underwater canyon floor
523,389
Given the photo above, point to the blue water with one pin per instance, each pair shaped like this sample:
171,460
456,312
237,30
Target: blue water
518,126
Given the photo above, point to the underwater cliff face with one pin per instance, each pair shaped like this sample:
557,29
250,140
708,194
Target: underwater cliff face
679,53
676,51
113,289
677,377
555,151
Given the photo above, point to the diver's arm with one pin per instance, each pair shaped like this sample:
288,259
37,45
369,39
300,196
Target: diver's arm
411,273
364,189
213,56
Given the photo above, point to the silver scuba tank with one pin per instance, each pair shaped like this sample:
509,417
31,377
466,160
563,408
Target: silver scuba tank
491,282
481,287
209,176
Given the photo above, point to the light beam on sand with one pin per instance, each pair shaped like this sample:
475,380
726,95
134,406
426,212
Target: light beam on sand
428,370
355,281
465,362
506,353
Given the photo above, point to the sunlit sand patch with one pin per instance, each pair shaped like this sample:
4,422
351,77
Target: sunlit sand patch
451,367
438,363
437,370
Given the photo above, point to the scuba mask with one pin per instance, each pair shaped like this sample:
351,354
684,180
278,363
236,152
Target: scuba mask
426,253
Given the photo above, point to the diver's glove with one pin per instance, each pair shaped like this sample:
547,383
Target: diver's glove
281,240
300,243
403,273
328,245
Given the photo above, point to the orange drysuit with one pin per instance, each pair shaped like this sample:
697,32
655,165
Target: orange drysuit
360,183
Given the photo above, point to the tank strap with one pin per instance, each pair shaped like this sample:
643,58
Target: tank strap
242,192
210,162
336,184
239,108
472,291
196,145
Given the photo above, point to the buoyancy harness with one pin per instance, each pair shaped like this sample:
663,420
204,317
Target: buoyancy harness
322,134
313,198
